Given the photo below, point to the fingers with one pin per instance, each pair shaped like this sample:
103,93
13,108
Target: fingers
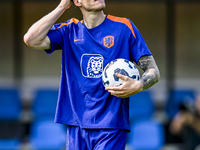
118,93
128,88
118,88
123,77
112,89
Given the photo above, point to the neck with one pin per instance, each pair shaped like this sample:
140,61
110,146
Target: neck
93,19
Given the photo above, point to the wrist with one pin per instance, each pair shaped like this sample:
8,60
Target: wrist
141,85
64,6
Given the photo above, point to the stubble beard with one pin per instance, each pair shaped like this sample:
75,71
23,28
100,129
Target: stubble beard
95,9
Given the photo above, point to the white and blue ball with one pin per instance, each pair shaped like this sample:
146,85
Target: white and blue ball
121,66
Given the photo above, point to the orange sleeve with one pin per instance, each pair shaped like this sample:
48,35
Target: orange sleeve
74,20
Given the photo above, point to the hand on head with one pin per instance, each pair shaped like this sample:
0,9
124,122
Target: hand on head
65,3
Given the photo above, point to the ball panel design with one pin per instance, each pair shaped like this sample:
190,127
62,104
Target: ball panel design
121,66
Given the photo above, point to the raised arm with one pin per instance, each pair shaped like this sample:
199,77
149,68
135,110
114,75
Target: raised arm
36,37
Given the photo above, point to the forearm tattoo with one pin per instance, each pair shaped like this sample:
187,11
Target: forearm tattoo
151,73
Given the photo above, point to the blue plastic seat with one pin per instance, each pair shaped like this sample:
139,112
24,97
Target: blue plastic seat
47,135
10,109
176,98
146,135
44,133
44,104
141,106
10,104
10,144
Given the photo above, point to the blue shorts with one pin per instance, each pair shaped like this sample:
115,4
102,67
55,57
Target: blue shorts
95,139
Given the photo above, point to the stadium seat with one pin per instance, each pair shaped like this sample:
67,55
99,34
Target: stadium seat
141,106
47,135
10,127
146,134
44,104
10,104
10,144
176,99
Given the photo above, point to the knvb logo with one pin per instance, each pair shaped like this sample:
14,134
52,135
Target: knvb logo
108,41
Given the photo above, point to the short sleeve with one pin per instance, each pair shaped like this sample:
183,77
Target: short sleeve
55,39
138,45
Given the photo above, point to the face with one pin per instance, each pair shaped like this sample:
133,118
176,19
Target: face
93,5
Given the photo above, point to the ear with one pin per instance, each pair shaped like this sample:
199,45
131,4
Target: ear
77,2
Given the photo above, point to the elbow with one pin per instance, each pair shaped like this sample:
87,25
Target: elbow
28,41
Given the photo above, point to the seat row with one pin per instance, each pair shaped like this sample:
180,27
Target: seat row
43,133
146,131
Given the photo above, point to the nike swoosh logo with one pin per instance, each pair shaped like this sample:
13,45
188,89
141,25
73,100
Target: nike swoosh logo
75,40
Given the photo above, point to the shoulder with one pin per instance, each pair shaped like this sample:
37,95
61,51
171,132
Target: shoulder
118,19
125,21
67,23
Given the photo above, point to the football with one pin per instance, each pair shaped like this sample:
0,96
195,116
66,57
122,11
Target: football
121,66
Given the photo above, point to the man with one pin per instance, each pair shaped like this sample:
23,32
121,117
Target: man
97,118
186,124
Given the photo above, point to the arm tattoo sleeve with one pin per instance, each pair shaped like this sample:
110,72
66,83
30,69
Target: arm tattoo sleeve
151,73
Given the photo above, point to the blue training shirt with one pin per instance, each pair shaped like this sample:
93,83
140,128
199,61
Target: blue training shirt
83,100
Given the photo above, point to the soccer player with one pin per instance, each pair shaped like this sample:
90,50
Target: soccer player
97,118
